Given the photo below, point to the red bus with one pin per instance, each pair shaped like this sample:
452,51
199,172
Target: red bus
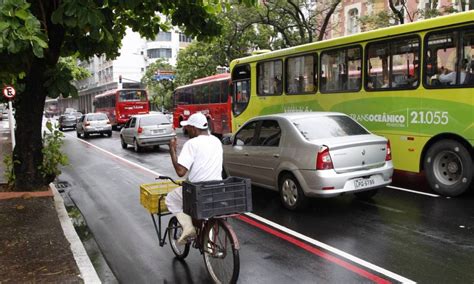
209,95
119,105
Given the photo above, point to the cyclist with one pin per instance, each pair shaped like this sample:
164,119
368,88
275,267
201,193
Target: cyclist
201,158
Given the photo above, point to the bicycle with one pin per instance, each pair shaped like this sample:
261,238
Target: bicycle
215,239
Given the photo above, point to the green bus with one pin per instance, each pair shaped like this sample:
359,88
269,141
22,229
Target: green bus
412,83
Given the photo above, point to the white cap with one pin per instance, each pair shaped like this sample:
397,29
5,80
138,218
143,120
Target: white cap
197,120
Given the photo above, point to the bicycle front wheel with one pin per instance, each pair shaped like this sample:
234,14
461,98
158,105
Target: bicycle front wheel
175,231
220,254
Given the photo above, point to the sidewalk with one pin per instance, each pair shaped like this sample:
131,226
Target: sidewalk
38,242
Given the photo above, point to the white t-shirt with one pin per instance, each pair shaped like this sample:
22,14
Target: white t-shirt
202,156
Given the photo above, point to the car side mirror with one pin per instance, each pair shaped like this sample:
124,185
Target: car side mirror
227,140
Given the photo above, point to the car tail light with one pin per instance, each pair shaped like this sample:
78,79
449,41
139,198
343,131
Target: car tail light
108,121
323,160
87,124
140,130
388,155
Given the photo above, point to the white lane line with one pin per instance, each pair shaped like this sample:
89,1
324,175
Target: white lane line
382,207
115,156
345,255
412,191
284,229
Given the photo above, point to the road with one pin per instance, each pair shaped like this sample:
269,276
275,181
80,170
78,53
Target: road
399,236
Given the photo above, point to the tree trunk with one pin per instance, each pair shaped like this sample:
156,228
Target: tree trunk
29,145
328,16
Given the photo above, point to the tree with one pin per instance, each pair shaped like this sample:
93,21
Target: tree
276,24
33,36
160,91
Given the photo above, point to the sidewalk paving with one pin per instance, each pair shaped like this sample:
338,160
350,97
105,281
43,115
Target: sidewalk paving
22,235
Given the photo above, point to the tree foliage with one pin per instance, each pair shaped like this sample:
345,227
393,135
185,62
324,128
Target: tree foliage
274,25
160,92
35,34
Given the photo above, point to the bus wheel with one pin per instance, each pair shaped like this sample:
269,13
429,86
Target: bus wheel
448,168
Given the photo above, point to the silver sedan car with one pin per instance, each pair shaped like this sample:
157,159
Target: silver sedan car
152,129
93,123
309,154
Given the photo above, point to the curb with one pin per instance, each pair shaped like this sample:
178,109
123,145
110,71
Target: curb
88,273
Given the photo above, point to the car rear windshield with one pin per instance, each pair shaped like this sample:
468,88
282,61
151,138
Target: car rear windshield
328,126
95,117
154,120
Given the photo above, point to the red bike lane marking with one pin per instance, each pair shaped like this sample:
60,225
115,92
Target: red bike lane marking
314,250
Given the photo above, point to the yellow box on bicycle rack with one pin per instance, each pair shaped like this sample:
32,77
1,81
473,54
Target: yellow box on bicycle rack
150,194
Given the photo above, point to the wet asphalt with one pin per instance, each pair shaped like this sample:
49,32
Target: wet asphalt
398,236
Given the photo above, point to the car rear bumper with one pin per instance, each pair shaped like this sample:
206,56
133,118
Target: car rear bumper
68,124
328,183
102,129
155,140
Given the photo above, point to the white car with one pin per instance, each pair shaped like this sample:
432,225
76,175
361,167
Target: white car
93,123
147,130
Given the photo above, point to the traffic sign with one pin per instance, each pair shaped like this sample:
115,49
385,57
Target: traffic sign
9,92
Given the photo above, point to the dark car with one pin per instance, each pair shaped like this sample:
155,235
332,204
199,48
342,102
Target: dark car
69,120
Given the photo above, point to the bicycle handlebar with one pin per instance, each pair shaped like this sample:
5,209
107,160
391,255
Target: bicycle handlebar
169,178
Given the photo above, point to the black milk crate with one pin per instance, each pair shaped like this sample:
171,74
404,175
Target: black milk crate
203,200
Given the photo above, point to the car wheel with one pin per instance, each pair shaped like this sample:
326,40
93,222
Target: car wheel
109,133
448,168
291,194
86,135
136,147
78,134
124,145
365,195
60,129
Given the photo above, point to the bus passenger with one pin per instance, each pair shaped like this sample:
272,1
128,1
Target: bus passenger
449,78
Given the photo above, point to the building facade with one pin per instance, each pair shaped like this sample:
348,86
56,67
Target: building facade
346,18
136,54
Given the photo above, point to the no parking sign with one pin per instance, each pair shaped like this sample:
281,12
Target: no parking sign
9,92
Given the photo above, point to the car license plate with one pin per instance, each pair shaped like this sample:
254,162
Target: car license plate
363,183
158,131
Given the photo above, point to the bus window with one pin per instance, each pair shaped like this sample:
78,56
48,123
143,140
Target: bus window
214,93
393,64
300,74
341,70
242,95
224,92
468,56
269,82
132,96
442,52
241,88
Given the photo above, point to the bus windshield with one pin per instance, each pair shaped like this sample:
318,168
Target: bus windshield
132,96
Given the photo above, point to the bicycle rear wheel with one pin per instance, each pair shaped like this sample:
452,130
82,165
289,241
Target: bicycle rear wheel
175,231
220,254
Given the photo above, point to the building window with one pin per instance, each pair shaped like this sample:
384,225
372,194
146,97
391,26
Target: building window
163,36
184,38
159,53
352,23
